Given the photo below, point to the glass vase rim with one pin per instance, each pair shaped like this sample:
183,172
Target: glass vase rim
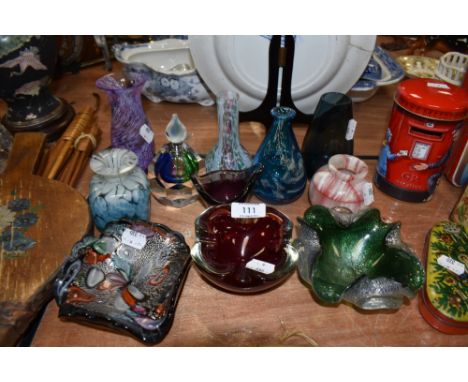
114,84
227,94
283,112
109,171
335,99
348,167
249,175
254,168
286,226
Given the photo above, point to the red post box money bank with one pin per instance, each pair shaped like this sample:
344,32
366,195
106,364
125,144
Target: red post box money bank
426,119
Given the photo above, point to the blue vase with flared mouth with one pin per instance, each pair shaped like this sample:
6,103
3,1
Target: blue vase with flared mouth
283,179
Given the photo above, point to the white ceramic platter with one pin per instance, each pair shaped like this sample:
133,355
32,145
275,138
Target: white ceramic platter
321,64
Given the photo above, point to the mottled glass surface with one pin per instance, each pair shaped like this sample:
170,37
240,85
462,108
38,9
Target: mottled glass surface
128,116
227,153
111,282
357,258
119,189
283,179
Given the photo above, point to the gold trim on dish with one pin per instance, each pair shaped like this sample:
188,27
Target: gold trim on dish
418,66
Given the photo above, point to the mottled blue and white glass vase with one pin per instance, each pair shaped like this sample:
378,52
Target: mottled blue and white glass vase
283,179
130,128
119,189
228,153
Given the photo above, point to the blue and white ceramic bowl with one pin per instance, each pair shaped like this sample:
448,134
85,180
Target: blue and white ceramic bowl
169,68
382,70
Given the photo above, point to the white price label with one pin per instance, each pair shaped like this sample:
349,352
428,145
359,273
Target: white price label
133,239
351,129
451,264
146,133
248,210
437,85
368,193
260,266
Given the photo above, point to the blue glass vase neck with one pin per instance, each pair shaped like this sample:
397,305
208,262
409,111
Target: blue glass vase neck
283,113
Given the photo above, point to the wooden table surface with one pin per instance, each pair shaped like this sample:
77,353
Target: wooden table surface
287,315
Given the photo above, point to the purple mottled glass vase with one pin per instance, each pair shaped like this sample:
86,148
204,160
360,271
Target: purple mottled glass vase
130,128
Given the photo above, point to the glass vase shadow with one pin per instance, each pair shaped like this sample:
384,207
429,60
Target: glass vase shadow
283,179
226,186
326,135
128,130
227,153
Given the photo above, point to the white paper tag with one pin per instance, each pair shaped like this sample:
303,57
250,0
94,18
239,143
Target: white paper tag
248,210
261,266
437,85
351,129
420,151
146,133
451,264
368,193
133,239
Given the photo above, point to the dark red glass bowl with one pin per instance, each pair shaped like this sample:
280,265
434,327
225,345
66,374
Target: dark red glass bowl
244,255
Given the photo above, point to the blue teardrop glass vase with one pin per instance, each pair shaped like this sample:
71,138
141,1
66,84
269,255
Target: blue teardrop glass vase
283,179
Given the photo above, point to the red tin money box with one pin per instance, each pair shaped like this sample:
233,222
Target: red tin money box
426,118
